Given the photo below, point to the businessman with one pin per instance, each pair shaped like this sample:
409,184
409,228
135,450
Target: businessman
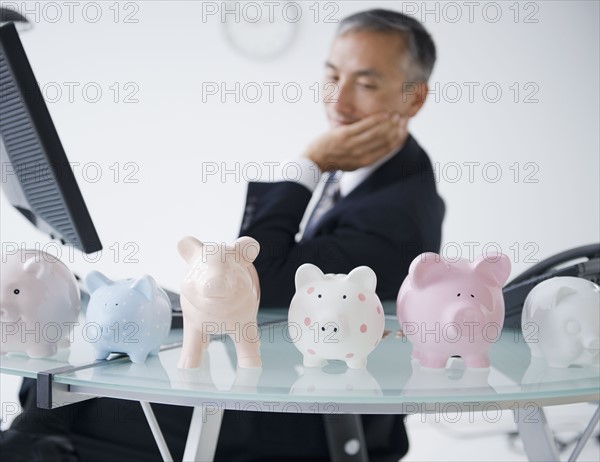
374,202
378,205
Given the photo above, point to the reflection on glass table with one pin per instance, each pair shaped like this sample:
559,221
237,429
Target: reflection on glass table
390,384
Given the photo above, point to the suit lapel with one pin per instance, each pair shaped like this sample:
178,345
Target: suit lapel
408,161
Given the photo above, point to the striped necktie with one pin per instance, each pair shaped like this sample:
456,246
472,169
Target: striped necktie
329,196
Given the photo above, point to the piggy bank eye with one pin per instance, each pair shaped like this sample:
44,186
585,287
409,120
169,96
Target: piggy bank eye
16,291
472,296
344,297
458,294
573,327
319,295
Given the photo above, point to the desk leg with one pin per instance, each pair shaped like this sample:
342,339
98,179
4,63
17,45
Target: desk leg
203,434
158,436
345,438
585,436
537,438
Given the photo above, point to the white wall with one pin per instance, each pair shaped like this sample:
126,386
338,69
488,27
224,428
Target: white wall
170,133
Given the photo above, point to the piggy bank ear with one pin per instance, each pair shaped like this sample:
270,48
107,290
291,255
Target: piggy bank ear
307,273
95,280
247,249
146,286
363,276
189,248
494,266
35,265
427,268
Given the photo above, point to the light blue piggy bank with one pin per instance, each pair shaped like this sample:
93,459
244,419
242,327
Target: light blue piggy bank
128,316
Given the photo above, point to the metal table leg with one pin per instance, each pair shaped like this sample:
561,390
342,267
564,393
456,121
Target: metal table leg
203,434
345,438
538,441
585,436
158,436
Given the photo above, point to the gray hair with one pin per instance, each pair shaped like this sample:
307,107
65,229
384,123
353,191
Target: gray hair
419,44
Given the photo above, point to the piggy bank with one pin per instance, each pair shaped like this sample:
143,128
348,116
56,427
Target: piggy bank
220,295
453,308
457,379
39,303
219,378
336,316
561,321
540,374
131,316
351,382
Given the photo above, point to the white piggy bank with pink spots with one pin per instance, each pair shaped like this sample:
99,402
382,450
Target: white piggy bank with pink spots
335,316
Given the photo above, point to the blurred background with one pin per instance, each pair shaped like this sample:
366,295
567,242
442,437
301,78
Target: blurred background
167,109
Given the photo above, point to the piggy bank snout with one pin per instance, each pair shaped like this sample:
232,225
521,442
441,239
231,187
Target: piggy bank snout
332,325
6,314
215,286
326,326
466,309
592,344
9,312
468,314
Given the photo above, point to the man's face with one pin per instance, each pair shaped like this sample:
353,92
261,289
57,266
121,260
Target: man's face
364,74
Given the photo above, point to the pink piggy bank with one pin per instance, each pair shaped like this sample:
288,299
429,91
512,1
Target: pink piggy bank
335,316
453,308
220,295
39,303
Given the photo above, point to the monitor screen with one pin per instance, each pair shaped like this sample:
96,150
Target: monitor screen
37,178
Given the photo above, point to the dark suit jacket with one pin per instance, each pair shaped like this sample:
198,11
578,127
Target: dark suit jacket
384,223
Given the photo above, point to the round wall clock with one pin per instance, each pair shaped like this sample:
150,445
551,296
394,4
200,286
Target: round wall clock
257,32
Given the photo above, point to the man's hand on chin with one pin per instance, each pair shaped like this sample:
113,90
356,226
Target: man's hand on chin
356,145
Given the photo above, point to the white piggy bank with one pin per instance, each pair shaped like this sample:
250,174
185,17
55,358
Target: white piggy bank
561,321
39,303
335,316
351,382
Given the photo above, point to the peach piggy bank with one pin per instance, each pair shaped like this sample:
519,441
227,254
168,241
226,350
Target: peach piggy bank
336,316
220,295
453,308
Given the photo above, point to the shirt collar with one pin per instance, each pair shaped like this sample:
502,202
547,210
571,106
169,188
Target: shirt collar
350,180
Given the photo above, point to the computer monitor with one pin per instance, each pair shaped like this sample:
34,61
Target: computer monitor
36,175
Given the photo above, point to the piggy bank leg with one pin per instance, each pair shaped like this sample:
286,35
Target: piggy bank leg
356,363
246,380
476,360
155,351
100,353
194,344
138,357
248,353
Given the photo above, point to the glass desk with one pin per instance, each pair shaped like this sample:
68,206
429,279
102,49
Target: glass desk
391,384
